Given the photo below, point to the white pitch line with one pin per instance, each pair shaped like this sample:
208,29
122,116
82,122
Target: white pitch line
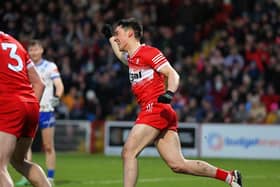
161,179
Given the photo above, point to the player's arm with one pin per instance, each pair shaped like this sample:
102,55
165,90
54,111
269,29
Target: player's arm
108,33
173,80
119,54
36,82
173,77
59,87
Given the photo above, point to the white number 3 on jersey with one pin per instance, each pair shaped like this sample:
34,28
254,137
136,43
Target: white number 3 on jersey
13,55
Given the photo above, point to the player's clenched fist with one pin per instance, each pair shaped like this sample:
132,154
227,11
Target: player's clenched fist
107,31
166,97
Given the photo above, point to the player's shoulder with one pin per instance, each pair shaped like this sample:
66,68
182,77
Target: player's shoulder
15,45
7,38
4,37
147,49
50,63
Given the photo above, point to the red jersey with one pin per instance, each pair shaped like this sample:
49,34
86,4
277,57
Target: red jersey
147,83
14,81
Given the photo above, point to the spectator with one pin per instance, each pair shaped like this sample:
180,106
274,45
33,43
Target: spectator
257,113
240,114
191,110
243,36
272,116
219,92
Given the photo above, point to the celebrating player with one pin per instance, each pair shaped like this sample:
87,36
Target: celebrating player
20,90
50,74
157,121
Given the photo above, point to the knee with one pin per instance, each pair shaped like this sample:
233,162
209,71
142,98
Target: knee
16,162
3,170
48,148
5,178
127,153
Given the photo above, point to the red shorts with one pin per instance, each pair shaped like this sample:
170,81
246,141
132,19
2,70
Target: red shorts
19,118
158,115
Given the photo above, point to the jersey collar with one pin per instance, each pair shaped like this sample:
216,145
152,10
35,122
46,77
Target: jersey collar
136,51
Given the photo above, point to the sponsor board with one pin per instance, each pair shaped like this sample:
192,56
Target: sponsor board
240,141
116,133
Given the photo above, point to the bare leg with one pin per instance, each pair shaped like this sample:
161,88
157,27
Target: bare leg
169,147
23,181
29,154
30,170
139,137
6,152
48,142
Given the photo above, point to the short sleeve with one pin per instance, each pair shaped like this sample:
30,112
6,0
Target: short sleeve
29,62
54,71
155,58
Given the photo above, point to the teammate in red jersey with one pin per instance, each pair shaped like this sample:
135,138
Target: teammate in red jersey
20,89
157,121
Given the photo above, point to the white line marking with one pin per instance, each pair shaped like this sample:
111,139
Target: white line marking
160,179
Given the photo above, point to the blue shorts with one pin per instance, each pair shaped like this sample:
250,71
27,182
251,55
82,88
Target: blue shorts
47,120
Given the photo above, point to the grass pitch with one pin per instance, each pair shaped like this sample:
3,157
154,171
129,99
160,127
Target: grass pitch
95,170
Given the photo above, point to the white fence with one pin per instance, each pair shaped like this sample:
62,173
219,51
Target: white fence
72,135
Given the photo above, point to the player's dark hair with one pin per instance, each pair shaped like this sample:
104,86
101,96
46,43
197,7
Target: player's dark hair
35,42
133,24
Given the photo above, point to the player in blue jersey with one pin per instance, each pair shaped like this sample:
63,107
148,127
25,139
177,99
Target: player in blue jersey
50,99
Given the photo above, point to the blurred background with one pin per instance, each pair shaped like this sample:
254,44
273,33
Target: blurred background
227,53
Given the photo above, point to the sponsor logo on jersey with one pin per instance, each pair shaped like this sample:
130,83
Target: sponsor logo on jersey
139,75
135,76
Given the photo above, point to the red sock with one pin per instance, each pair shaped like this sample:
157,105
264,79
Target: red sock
223,175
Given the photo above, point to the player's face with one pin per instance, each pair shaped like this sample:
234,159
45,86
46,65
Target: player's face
35,53
121,37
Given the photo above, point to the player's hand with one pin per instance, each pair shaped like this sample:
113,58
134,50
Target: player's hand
107,31
166,97
55,101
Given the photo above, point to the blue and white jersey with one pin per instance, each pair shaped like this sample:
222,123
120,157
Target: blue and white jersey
48,71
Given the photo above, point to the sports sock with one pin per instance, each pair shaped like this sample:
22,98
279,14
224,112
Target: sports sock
51,173
223,175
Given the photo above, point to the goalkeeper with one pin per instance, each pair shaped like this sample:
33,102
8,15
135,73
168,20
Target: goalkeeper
50,99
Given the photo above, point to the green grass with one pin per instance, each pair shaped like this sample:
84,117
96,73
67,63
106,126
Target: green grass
86,170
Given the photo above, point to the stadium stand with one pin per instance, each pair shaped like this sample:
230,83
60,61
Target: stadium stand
227,53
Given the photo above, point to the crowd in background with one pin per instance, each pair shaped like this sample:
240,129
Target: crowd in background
227,54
